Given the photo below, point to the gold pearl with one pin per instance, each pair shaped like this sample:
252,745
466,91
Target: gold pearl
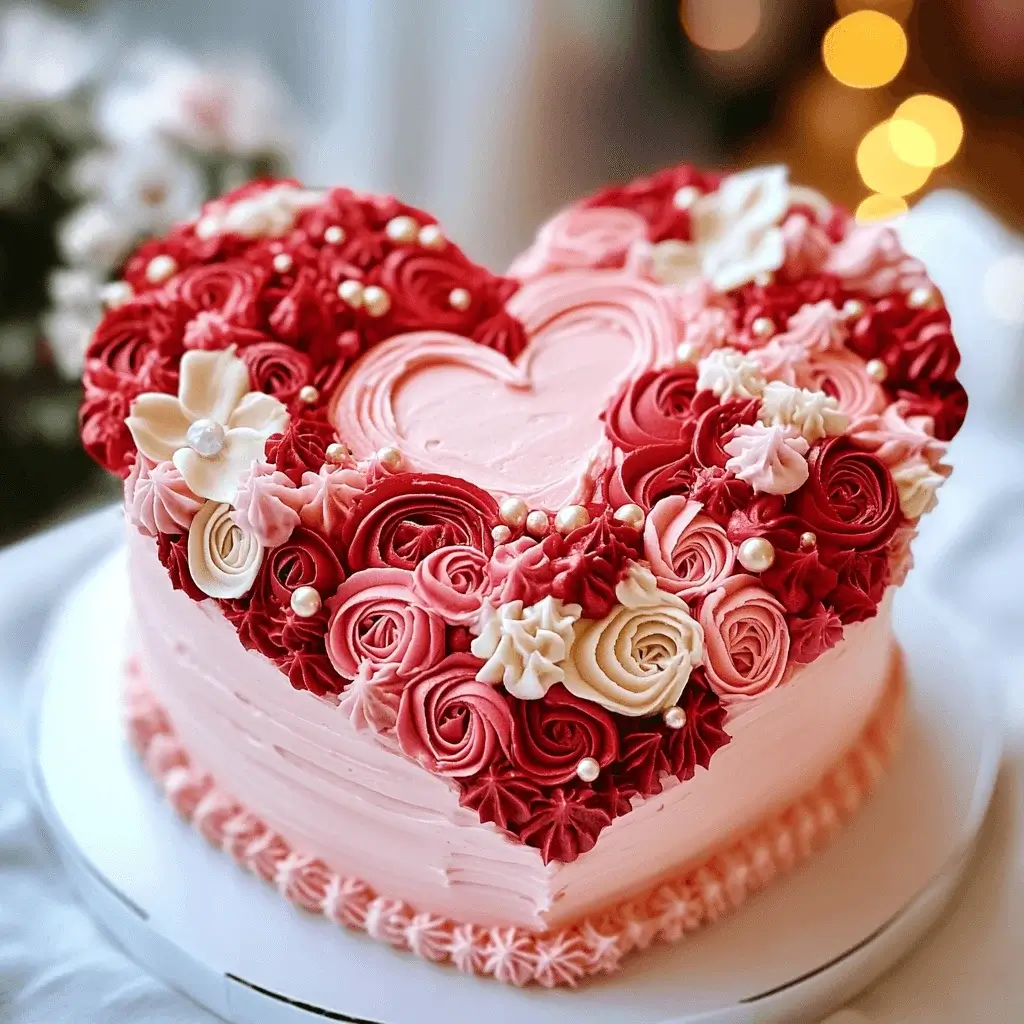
762,327
686,352
877,370
459,299
351,292
160,268
401,229
115,294
685,197
808,541
305,602
853,308
308,394
921,297
376,301
390,458
513,512
282,263
632,515
588,769
430,237
537,524
572,517
501,534
674,717
336,453
334,234
756,554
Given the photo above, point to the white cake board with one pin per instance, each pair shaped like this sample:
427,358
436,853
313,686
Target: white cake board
794,953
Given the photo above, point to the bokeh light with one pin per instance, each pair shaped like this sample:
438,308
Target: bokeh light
1003,288
882,170
912,143
720,25
865,49
936,116
878,207
898,9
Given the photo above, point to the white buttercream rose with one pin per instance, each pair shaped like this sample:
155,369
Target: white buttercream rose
222,557
637,659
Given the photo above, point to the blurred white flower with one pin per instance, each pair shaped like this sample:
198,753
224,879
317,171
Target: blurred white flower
95,236
67,333
75,289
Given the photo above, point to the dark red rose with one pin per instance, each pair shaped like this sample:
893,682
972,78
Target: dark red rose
593,560
172,550
850,499
101,419
655,408
499,795
719,492
565,823
863,577
716,424
212,331
812,634
277,369
502,332
650,473
129,336
400,519
799,578
230,288
301,317
340,208
301,448
304,560
179,246
779,300
944,402
552,735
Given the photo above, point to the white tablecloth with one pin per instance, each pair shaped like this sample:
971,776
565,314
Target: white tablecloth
55,966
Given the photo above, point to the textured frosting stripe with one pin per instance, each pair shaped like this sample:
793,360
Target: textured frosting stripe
593,945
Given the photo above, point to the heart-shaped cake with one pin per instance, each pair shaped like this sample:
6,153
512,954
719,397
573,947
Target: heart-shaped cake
521,621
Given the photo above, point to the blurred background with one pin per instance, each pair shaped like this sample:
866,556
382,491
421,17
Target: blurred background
118,117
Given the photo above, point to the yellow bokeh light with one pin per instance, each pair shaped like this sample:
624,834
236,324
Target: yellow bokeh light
877,207
939,118
898,9
882,170
865,49
720,25
912,143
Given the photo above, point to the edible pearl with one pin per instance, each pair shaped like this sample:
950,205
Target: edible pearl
430,237
808,541
685,197
588,769
401,229
513,512
537,524
390,458
572,517
282,263
877,370
762,327
334,234
501,534
308,394
674,717
160,268
763,279
336,453
686,352
920,297
351,292
206,438
756,554
115,294
631,515
459,298
305,602
376,301
853,308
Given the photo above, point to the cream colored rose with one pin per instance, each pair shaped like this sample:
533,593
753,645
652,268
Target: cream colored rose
222,557
636,660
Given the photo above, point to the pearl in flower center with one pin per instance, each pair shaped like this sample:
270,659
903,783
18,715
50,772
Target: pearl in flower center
206,438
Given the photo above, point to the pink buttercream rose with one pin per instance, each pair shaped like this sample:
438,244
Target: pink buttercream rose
268,504
807,246
452,582
377,622
690,554
896,437
746,640
157,499
843,376
521,571
451,723
331,495
871,260
769,458
815,327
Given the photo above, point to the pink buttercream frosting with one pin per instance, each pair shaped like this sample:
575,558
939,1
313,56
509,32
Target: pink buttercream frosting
157,499
807,246
842,375
690,554
871,260
896,437
452,582
268,505
816,327
769,458
331,494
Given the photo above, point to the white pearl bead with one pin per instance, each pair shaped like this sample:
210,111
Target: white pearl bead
762,327
631,515
674,717
308,394
687,352
206,227
588,769
877,370
572,517
808,541
920,297
513,512
401,229
376,301
853,308
501,534
459,298
334,234
336,453
305,602
685,197
351,292
430,237
756,554
537,524
115,294
763,279
206,438
160,268
390,458
282,263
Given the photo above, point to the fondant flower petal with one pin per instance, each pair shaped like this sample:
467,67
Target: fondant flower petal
218,478
259,412
212,384
158,424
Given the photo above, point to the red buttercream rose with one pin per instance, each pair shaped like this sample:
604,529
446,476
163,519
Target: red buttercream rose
452,583
650,473
301,448
230,287
304,560
715,426
522,570
451,723
553,734
655,408
863,577
779,300
946,404
850,499
746,640
400,519
377,620
128,335
277,369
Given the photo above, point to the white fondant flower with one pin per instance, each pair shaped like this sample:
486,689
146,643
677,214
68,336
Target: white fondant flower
770,459
916,484
730,374
816,327
268,214
222,558
524,647
812,413
736,232
214,430
637,659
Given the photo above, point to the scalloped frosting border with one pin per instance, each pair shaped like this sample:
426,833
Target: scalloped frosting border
565,956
